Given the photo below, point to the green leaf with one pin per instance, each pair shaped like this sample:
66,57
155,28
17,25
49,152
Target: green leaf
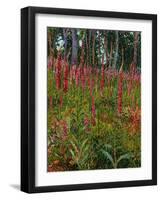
73,155
124,156
74,146
83,143
109,157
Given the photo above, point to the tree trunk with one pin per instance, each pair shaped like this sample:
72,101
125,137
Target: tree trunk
82,51
116,50
110,59
87,56
65,34
99,48
106,47
74,47
136,40
122,62
89,47
93,47
51,49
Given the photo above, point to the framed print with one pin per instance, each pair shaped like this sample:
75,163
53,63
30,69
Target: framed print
88,99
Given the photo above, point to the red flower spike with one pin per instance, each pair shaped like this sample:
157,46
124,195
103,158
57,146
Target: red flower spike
61,101
120,85
58,72
65,83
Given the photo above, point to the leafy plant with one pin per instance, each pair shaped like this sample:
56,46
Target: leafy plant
79,152
113,157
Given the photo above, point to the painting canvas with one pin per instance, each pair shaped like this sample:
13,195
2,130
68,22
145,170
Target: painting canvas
93,99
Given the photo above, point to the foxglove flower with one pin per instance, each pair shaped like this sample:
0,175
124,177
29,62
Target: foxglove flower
120,85
58,72
65,78
61,101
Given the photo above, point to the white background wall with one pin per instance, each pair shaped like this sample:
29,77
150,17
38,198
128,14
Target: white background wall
10,98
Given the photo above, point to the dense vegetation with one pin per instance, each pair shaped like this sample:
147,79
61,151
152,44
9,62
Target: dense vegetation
94,99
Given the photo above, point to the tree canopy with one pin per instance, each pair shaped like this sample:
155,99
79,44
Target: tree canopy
89,47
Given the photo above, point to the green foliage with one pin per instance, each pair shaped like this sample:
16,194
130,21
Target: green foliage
113,157
79,152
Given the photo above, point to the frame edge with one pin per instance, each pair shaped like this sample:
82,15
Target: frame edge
24,100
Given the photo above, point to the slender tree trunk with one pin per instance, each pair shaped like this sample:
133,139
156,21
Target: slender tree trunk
106,47
93,47
49,42
110,59
68,54
136,40
89,47
65,34
122,62
50,39
74,47
134,62
51,49
116,50
99,48
82,51
87,54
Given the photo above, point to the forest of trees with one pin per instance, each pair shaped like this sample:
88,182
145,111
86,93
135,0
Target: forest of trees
87,47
